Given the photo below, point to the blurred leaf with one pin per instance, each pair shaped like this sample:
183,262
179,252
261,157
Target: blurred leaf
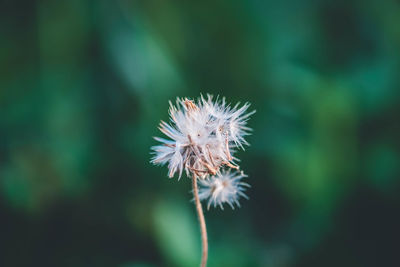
177,232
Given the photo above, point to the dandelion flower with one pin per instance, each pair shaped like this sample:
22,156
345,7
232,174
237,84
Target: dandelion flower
202,136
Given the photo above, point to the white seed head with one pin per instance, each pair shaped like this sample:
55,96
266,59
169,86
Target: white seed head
202,136
225,187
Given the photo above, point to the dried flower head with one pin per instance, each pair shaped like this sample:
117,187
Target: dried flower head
225,187
203,136
202,139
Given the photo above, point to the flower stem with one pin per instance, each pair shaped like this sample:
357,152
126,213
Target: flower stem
202,222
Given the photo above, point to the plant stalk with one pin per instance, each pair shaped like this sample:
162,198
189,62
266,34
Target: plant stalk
202,222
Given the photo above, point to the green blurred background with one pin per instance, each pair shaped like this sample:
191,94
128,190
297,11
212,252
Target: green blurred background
84,85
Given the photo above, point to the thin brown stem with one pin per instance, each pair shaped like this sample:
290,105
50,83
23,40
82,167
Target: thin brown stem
202,222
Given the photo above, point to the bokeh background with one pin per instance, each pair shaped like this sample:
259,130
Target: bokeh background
84,85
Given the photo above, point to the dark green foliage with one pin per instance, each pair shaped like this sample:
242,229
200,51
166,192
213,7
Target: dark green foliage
84,84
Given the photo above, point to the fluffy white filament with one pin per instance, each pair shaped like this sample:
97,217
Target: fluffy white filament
202,138
225,187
